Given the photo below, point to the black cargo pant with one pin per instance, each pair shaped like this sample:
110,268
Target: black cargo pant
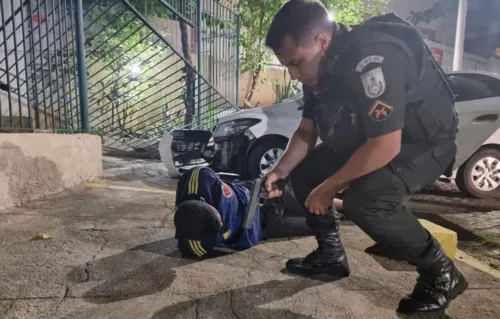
374,202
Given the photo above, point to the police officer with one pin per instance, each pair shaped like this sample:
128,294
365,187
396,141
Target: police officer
385,115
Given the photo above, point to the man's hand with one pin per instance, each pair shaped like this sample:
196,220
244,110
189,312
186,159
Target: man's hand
273,176
321,198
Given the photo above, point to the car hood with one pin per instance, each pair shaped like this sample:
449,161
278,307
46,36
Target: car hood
260,111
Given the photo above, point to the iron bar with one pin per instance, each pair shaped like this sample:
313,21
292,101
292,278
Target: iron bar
116,46
139,85
177,13
2,11
75,64
82,70
63,69
104,67
237,64
109,9
17,65
47,35
69,62
154,93
26,57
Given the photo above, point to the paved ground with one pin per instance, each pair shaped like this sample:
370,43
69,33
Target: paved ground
113,255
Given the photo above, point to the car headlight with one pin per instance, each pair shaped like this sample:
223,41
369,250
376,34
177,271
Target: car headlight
233,127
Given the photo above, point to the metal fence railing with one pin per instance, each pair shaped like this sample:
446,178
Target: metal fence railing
219,30
41,58
144,75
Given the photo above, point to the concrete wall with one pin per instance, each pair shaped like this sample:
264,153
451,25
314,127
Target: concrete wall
36,165
265,92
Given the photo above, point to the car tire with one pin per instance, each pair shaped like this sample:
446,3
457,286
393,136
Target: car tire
268,150
468,181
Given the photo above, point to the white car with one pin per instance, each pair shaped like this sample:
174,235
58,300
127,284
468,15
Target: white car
248,143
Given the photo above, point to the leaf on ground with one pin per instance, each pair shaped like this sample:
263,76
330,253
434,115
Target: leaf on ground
43,236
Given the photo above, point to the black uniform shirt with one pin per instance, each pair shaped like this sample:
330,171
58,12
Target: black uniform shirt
376,75
371,80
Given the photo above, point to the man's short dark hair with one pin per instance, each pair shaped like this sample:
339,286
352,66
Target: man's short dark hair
297,19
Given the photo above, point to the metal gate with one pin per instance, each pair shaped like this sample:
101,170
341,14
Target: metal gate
158,65
41,63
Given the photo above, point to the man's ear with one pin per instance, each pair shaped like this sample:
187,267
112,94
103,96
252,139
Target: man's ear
323,39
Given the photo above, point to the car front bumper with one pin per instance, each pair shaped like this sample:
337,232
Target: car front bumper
229,153
226,154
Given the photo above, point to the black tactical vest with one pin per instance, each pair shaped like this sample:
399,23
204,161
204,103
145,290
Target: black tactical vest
427,123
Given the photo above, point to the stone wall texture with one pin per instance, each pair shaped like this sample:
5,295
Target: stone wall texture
35,165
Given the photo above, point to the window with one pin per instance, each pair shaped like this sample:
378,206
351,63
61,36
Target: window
474,86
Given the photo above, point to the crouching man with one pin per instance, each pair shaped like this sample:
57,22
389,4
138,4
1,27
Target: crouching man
210,213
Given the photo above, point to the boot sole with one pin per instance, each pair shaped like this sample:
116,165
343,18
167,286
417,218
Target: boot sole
459,289
316,272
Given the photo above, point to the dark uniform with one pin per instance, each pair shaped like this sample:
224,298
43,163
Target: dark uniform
380,77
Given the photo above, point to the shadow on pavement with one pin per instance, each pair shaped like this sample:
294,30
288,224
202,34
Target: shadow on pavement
243,302
462,233
386,260
126,276
148,269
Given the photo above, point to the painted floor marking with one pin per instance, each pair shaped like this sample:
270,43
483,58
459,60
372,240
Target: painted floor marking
473,262
128,188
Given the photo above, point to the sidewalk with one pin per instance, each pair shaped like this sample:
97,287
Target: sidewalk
113,255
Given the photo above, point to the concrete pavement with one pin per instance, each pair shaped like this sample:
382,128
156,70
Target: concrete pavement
113,255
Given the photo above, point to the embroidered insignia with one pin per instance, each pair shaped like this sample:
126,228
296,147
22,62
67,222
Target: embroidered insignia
380,111
373,83
371,59
226,191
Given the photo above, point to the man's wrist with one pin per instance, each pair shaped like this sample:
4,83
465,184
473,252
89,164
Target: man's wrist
333,183
280,171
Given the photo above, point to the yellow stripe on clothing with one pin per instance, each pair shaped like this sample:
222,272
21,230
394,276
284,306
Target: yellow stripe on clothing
195,248
193,181
200,247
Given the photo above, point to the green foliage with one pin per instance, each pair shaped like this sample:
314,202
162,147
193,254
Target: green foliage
355,11
256,17
149,8
285,90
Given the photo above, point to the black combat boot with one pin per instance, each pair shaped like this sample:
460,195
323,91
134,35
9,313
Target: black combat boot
439,282
329,258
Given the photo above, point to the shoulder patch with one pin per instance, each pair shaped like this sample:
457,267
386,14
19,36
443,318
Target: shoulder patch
371,59
373,83
380,111
226,191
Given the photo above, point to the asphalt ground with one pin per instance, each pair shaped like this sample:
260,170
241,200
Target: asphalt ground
111,254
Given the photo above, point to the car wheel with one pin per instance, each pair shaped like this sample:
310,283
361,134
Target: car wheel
480,175
264,155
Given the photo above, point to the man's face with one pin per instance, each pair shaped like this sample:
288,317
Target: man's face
304,60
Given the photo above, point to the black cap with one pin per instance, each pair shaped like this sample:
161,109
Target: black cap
197,225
